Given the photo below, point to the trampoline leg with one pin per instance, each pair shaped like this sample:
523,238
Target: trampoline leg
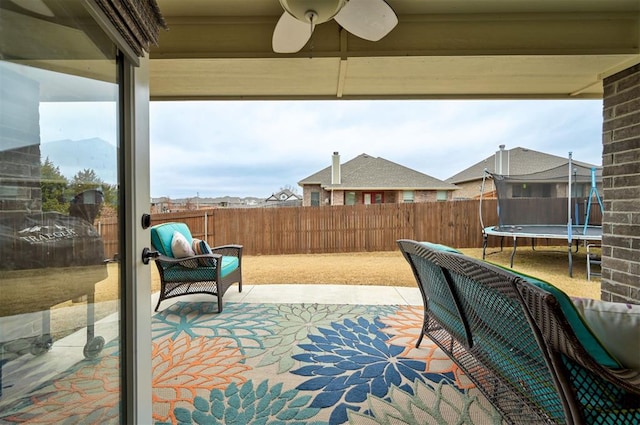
570,262
513,253
484,244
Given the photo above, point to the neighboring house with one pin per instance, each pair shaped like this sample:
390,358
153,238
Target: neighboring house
167,205
369,180
161,205
517,162
284,198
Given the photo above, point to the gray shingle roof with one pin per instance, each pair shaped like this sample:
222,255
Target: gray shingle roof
284,194
368,172
521,161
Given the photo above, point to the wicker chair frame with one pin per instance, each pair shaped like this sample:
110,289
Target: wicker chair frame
513,341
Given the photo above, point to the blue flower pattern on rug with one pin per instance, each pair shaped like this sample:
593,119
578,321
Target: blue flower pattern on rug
352,361
246,405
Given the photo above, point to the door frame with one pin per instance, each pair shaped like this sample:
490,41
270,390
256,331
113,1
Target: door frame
136,295
135,198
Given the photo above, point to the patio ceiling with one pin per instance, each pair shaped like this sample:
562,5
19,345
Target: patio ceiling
221,49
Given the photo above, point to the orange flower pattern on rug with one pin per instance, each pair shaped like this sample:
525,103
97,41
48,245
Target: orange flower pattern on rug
185,368
404,327
90,394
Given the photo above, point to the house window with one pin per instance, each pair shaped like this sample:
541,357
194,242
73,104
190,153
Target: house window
442,195
315,199
521,190
407,196
350,198
373,198
580,190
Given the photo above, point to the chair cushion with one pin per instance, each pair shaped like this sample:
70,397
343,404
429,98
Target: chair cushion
180,246
583,332
440,247
162,235
229,264
617,325
183,274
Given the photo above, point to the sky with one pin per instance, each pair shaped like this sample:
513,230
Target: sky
256,148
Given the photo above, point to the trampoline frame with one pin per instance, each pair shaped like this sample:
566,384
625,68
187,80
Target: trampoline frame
535,231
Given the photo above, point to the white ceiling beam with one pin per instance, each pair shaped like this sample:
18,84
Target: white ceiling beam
424,35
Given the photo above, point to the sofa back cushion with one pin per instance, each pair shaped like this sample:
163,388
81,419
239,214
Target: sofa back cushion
617,325
162,236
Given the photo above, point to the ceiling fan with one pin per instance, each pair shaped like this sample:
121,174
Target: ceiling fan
367,19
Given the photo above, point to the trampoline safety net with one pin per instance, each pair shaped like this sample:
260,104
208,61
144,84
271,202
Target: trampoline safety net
542,198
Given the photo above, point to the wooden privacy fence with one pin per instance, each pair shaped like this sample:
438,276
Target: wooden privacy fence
328,229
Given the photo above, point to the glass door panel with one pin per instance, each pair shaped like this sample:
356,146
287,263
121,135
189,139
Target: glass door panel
60,286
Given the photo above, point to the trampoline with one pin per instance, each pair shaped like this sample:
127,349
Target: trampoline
552,204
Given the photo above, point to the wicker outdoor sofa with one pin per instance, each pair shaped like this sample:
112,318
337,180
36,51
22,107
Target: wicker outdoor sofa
519,342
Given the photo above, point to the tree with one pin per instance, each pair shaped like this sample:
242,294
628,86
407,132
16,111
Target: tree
87,179
290,188
53,186
58,191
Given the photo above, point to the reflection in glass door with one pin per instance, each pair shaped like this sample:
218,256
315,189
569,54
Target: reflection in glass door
60,290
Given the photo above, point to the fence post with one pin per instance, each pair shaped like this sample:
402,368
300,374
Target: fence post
205,225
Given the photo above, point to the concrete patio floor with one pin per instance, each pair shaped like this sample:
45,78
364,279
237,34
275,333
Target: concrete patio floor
316,293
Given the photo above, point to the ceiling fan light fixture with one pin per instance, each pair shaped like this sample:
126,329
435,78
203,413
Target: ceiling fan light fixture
321,10
367,19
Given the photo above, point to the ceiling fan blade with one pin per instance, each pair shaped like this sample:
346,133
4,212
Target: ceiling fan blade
368,19
290,34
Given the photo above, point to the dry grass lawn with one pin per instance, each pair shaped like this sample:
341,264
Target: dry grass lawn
389,268
367,268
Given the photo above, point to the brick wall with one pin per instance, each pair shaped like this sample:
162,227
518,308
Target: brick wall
621,181
20,180
471,189
19,144
337,197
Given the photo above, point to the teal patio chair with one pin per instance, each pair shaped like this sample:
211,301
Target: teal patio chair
201,271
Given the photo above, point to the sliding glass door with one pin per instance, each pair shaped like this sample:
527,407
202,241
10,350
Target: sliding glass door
61,348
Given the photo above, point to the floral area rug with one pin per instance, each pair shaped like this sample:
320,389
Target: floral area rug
285,364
